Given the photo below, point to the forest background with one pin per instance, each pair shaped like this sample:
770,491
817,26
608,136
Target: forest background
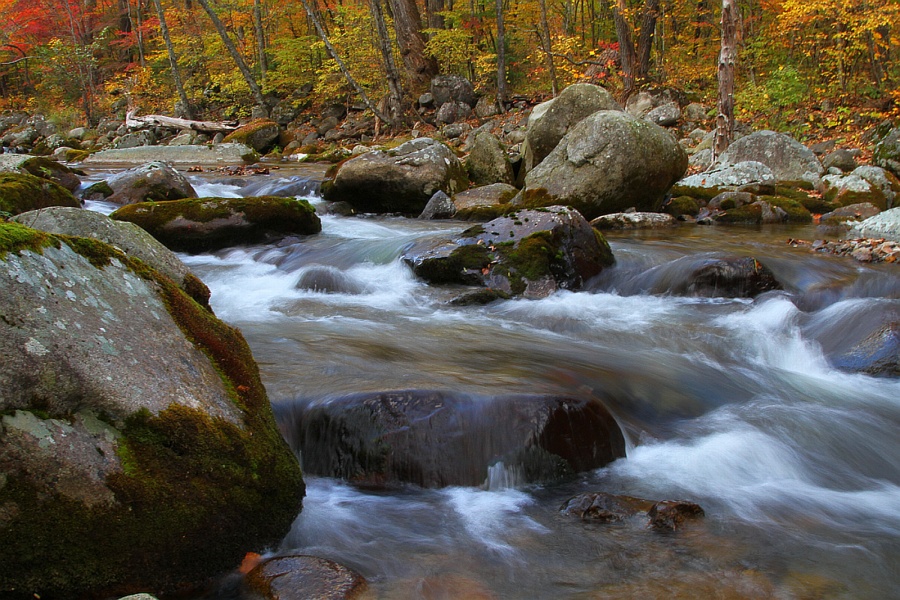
814,68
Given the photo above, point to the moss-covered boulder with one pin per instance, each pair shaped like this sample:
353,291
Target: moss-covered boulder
766,210
400,180
42,167
845,190
127,237
138,451
436,439
21,192
484,203
531,253
608,162
150,182
487,162
259,134
206,224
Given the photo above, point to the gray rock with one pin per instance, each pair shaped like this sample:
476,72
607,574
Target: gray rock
217,154
326,125
551,120
842,159
452,88
183,139
447,113
883,225
42,167
851,189
399,180
639,104
467,203
426,100
153,181
487,162
440,206
634,220
127,237
695,113
134,140
607,163
887,152
731,175
486,108
665,115
788,159
883,180
455,130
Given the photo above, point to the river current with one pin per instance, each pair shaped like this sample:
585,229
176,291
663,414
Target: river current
734,404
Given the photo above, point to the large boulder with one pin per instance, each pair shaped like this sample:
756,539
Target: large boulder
21,192
607,163
436,439
150,182
849,189
207,224
138,451
788,159
883,180
399,180
127,237
40,167
453,88
551,120
887,152
529,252
730,176
488,162
259,134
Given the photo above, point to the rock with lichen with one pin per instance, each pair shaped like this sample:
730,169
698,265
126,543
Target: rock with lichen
138,451
150,182
531,253
21,192
206,224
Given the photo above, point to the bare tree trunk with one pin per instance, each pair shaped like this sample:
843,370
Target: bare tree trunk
235,55
645,41
260,41
173,60
727,58
433,8
340,63
627,56
408,26
547,46
501,58
387,55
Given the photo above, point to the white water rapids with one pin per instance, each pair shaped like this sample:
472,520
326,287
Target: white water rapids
733,404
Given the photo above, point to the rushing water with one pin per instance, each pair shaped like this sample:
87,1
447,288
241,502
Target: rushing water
730,403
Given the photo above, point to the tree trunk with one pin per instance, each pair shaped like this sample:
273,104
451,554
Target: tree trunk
340,63
408,26
627,56
645,41
501,58
727,58
433,8
547,46
387,55
173,60
235,55
260,41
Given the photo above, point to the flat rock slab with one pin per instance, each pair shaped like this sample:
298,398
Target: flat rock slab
219,154
303,578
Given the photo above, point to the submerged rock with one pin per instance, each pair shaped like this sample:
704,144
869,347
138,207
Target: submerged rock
877,354
664,515
438,439
634,220
205,224
137,445
301,577
529,252
729,277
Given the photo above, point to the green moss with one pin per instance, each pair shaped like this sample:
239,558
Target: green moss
700,193
484,213
796,212
15,238
480,297
101,187
473,231
45,168
21,192
533,256
749,214
76,155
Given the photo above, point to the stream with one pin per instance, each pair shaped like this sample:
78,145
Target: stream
731,403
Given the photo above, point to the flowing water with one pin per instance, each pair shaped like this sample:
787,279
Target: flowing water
731,403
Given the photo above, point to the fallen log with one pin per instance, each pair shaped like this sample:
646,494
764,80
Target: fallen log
132,120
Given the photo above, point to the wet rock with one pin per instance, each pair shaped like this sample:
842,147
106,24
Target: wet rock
551,120
399,180
634,220
529,252
327,279
438,439
259,134
729,278
21,192
488,162
137,445
608,162
300,577
877,354
150,182
484,203
206,224
127,237
788,159
664,515
440,206
861,249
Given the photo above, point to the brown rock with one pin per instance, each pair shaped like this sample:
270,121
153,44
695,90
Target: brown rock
302,577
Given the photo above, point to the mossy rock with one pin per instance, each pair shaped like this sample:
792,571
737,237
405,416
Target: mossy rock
749,214
814,203
189,493
837,197
205,224
681,206
796,212
259,134
700,193
20,192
